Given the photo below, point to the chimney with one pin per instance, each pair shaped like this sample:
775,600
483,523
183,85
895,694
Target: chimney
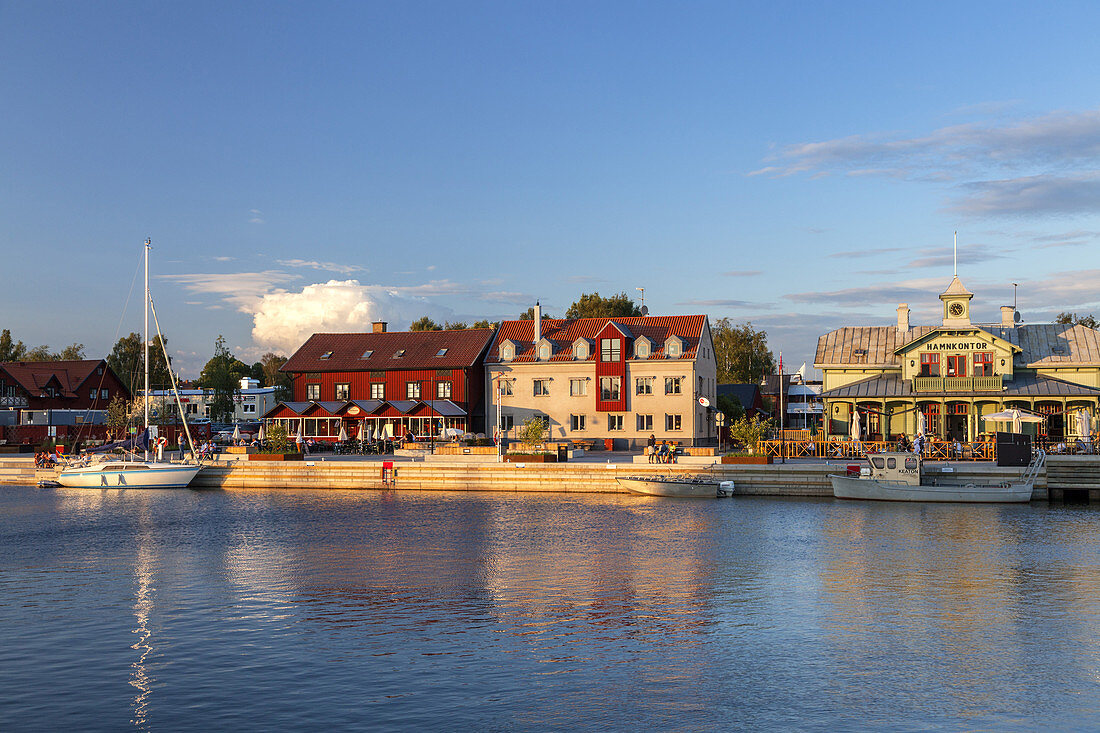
903,317
1008,316
378,327
538,322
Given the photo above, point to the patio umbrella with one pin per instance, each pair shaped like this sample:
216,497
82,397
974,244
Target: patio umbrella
236,433
343,436
370,431
920,424
1014,416
262,434
298,438
1083,427
452,432
855,431
362,431
387,430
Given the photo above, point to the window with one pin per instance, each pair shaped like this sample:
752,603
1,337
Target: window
672,422
313,391
580,350
507,353
343,392
99,371
367,354
192,408
542,387
443,390
378,391
399,353
674,348
507,422
983,364
610,349
609,388
956,366
641,348
578,387
326,355
577,422
614,422
929,365
544,352
645,422
248,407
92,396
412,390
103,394
441,352
891,462
643,385
672,385
505,388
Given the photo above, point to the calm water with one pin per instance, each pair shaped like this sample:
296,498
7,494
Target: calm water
200,610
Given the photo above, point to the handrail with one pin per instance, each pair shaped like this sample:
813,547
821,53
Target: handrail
943,450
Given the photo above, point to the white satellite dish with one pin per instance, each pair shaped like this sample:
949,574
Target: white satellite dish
704,402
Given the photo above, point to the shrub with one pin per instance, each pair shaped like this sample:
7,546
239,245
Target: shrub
532,430
749,432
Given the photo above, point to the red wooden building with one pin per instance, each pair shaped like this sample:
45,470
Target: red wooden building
387,383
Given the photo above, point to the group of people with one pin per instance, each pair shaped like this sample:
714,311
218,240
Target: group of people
663,453
46,459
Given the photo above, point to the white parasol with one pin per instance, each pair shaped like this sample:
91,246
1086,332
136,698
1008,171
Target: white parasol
370,431
236,433
387,431
1084,427
1014,416
855,431
452,432
343,436
920,424
362,431
298,438
262,434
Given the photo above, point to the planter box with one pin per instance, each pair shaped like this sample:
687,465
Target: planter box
515,458
451,449
700,451
747,460
240,449
274,456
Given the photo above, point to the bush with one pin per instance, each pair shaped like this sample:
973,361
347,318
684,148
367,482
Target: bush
532,430
750,432
277,440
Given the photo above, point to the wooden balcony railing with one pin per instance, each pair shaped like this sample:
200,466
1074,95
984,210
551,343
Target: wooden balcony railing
958,384
937,450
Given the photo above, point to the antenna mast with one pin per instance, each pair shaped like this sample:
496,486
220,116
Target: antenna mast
956,254
145,308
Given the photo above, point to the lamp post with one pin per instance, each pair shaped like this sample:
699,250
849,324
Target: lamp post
496,381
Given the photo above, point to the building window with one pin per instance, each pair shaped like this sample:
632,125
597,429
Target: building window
542,387
672,422
610,349
343,392
313,391
399,354
367,354
609,388
505,388
248,407
544,352
983,364
956,366
673,348
326,355
378,391
507,422
643,385
577,422
641,348
192,408
929,365
614,422
412,390
93,394
443,390
506,352
931,419
441,352
578,387
645,422
672,385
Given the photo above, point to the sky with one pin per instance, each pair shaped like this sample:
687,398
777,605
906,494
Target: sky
307,167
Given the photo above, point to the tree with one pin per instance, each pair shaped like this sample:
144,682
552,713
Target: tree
529,314
730,407
272,377
40,353
127,359
591,305
742,353
1072,319
484,323
425,324
750,432
532,430
10,351
118,414
455,326
221,377
73,352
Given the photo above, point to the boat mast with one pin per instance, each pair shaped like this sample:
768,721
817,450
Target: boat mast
145,308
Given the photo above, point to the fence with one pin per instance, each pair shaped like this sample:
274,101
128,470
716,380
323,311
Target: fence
933,449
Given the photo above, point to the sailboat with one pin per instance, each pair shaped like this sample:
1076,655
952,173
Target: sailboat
137,474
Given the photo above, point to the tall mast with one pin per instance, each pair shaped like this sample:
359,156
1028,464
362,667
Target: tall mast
145,308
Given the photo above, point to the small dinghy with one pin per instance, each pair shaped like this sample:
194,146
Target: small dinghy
677,486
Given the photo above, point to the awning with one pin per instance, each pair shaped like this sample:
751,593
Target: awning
445,408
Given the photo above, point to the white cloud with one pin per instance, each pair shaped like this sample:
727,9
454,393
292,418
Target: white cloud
242,289
255,216
284,320
336,267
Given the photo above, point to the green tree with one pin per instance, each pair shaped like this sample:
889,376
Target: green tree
425,324
741,352
73,352
272,377
532,430
40,353
484,323
118,415
529,314
455,326
127,359
9,350
750,432
1072,319
730,407
221,378
591,305
277,439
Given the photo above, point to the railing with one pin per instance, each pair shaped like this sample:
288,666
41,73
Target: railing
13,401
958,384
937,450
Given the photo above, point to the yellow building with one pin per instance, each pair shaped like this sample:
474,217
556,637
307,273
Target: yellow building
956,372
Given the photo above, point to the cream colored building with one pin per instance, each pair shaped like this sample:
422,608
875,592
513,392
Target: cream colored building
956,372
599,378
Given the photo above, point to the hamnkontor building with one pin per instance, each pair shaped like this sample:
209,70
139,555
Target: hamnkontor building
955,372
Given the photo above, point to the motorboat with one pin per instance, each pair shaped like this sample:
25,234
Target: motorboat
901,477
129,475
676,486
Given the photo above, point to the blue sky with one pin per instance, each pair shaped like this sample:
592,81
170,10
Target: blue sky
313,166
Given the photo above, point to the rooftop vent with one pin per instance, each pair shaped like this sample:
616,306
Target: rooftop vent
859,352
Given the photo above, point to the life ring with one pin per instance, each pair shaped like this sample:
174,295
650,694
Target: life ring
162,441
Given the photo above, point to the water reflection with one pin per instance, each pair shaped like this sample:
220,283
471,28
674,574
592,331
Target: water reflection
140,678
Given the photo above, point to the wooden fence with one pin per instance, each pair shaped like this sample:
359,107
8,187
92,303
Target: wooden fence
941,450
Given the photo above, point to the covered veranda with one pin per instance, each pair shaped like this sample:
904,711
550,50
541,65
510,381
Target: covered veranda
379,419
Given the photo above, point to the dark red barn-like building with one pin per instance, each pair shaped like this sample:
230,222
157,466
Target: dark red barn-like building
387,382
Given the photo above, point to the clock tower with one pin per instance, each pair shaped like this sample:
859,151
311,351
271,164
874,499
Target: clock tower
956,304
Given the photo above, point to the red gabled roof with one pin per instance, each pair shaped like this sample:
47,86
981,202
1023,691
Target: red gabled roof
563,332
34,376
463,346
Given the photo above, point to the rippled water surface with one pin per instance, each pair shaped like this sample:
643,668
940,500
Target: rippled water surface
269,610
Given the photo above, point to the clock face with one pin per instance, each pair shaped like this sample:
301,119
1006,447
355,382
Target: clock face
956,309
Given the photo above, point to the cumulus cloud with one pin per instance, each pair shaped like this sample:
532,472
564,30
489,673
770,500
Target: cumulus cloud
284,320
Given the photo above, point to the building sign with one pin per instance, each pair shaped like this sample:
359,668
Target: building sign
958,346
353,410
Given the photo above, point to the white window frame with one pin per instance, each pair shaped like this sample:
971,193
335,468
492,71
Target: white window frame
578,423
643,385
615,423
614,388
578,387
378,390
673,422
611,350
674,385
347,391
313,392
443,390
540,387
645,422
412,390
506,388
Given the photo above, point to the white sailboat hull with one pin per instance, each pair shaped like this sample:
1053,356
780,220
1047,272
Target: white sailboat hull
118,475
846,487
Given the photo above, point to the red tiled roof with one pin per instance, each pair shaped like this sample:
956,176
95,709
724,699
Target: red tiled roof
563,332
463,347
34,376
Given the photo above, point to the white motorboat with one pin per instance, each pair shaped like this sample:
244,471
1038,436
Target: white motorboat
129,475
677,486
900,477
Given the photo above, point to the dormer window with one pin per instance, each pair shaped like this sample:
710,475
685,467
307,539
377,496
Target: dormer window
326,355
507,352
673,347
367,354
580,349
544,352
400,353
441,352
641,348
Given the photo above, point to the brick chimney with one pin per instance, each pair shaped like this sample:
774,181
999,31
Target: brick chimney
538,323
378,327
1008,316
903,318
